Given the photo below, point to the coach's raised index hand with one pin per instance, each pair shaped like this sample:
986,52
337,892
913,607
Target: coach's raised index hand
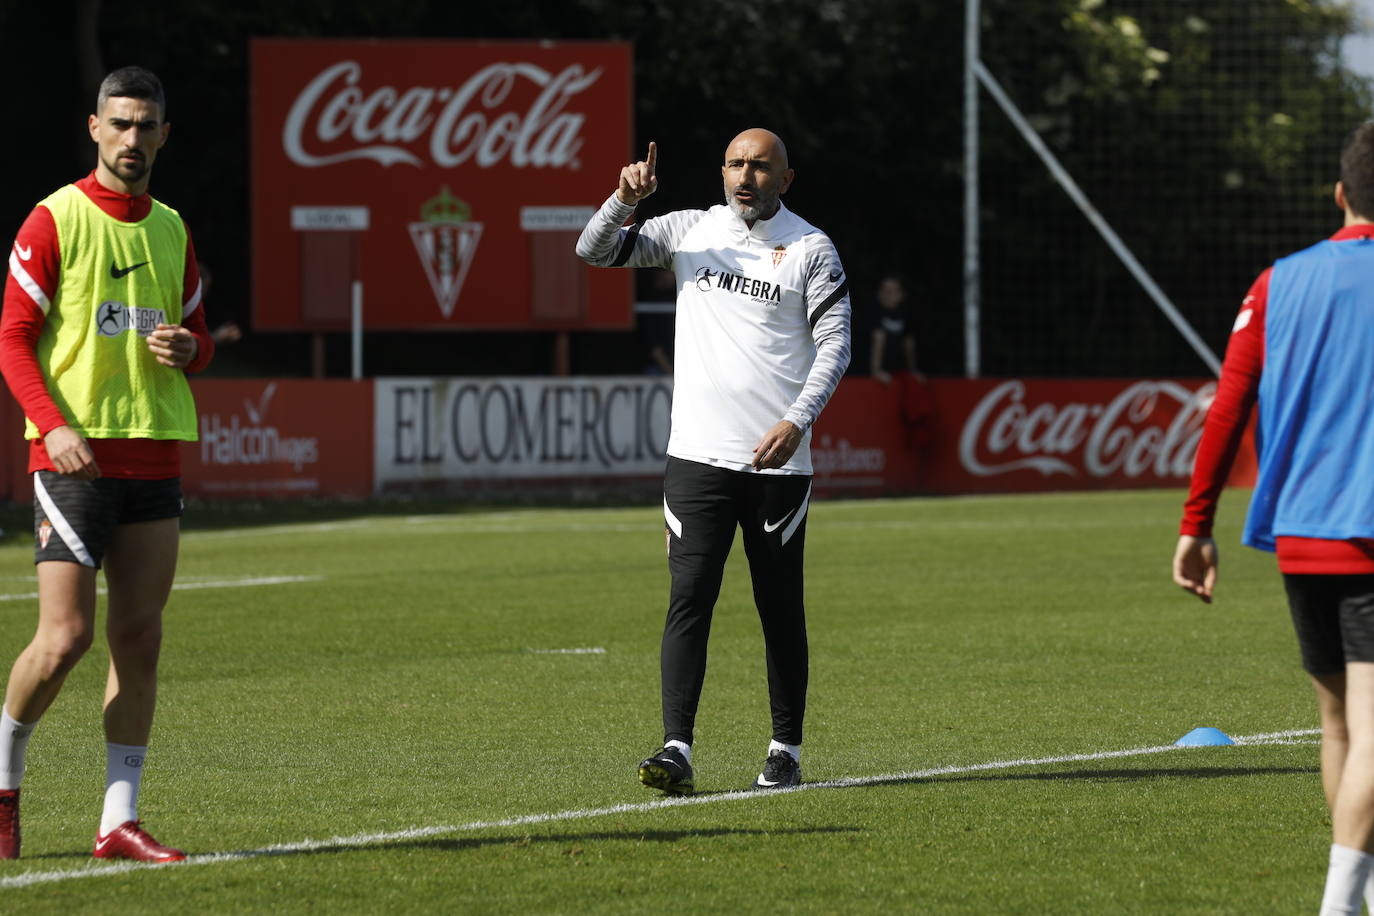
639,179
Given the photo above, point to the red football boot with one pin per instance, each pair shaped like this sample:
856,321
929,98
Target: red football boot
9,824
130,841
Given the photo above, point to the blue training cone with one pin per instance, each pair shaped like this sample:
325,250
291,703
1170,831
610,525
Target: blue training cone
1204,737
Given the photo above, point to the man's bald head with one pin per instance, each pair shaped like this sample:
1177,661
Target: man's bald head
756,174
760,139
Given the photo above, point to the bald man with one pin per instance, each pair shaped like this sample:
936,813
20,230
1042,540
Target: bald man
762,338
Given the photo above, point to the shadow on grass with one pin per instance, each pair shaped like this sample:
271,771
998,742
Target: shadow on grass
640,836
459,844
1121,775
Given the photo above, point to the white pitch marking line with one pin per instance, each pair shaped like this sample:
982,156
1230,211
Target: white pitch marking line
243,583
414,833
187,586
589,650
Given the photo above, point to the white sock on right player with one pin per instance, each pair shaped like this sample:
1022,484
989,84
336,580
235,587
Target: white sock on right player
1345,881
123,773
14,743
682,746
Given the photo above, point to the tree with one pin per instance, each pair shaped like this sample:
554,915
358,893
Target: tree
1204,131
1208,135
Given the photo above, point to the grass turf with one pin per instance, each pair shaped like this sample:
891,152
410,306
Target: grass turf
405,684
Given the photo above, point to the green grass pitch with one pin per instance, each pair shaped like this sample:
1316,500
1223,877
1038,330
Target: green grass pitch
386,709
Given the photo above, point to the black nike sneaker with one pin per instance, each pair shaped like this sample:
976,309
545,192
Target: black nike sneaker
669,771
780,771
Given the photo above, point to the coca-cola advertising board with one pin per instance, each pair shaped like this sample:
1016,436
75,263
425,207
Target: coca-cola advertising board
1071,434
1013,435
450,177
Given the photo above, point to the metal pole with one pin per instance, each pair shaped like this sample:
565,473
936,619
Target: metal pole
971,265
357,330
1124,254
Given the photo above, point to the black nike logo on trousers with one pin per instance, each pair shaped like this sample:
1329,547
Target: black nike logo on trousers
117,273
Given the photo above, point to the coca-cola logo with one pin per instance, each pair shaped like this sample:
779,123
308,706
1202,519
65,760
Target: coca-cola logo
1125,436
334,119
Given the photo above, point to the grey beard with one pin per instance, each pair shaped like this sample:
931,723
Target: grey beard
745,212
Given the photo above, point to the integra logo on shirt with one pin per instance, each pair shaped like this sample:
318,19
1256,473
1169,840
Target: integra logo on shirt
758,290
114,318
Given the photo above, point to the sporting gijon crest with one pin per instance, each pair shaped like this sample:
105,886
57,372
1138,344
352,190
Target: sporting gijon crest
446,239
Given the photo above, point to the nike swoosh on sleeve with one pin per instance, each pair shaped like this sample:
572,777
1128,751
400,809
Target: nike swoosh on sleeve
24,253
28,284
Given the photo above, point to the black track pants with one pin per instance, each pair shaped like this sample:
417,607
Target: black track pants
702,506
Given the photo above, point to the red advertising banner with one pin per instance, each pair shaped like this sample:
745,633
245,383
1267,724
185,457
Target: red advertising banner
862,444
276,438
1012,435
451,178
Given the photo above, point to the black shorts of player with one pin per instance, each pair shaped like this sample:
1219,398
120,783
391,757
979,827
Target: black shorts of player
1334,619
74,520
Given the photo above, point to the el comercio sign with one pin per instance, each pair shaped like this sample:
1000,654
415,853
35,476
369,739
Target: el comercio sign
450,177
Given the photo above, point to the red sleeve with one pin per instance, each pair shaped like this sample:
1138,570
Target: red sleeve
193,309
35,265
1224,429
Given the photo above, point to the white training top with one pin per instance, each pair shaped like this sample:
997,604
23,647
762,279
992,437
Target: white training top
762,323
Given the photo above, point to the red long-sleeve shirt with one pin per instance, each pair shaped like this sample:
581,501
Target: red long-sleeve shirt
1224,430
36,252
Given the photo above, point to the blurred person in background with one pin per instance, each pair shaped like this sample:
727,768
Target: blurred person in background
894,336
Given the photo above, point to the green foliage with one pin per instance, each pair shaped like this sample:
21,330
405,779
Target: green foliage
1205,131
1207,134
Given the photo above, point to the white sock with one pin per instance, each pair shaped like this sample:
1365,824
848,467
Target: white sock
793,749
123,772
1345,881
1369,892
14,742
683,747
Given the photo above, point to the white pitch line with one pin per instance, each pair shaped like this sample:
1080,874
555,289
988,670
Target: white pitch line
589,650
413,833
244,583
187,586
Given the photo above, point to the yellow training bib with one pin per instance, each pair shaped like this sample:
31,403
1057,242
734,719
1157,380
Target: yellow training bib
118,282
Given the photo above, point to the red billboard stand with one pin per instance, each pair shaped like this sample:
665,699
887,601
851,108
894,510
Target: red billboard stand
464,168
329,253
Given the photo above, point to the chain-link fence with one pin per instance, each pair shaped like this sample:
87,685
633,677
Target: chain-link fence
1208,136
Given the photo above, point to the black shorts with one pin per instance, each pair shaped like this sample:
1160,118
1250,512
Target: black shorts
74,520
1334,619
